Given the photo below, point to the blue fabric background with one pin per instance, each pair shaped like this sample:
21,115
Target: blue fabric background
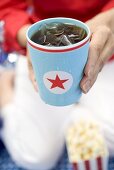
7,164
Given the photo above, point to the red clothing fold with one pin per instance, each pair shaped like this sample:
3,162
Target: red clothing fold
15,13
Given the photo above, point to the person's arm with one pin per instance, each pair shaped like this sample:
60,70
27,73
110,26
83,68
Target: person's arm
15,15
101,47
108,6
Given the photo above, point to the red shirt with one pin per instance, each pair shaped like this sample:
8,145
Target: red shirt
15,14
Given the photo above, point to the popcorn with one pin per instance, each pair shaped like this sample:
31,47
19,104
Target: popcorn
84,141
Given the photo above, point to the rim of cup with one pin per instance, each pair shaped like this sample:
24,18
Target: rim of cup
61,48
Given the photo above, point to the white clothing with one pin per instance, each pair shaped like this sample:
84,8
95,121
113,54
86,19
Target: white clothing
34,131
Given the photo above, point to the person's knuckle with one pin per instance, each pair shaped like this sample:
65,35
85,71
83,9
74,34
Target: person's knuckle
107,30
96,47
101,63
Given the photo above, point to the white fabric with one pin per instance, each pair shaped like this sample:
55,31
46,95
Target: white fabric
34,131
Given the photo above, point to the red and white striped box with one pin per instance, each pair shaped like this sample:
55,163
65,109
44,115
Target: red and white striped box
86,145
100,163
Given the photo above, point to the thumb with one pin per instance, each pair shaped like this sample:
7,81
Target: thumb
31,72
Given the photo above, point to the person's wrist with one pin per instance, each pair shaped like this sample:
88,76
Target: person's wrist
21,35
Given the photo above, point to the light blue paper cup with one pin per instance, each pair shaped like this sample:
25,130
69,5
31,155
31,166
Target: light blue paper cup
59,70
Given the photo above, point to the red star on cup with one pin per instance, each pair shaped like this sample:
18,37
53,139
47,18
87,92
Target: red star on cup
57,82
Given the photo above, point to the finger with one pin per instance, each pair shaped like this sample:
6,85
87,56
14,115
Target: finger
31,72
85,84
92,82
107,52
33,80
88,83
98,41
29,60
35,84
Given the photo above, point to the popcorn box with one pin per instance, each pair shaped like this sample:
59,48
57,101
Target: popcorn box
100,163
86,146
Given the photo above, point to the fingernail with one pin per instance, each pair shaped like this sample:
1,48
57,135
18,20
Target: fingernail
87,86
91,70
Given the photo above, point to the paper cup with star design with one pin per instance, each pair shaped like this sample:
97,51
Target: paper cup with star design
59,70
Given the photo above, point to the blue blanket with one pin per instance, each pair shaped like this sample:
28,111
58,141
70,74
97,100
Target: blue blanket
7,164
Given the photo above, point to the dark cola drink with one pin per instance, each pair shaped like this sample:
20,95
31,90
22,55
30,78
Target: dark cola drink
59,34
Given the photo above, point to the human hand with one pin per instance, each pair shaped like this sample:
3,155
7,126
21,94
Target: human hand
101,49
31,72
